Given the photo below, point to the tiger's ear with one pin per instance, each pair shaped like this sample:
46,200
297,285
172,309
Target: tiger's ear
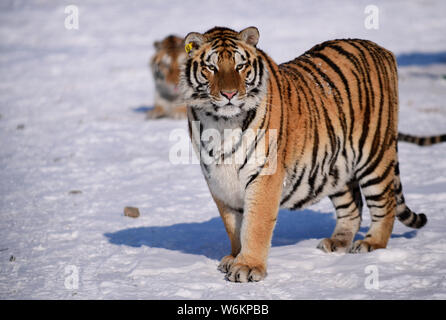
250,35
157,45
193,41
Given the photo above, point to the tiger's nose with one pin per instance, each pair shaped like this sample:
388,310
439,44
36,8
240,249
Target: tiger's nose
229,94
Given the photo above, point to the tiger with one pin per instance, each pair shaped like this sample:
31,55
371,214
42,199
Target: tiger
165,67
325,124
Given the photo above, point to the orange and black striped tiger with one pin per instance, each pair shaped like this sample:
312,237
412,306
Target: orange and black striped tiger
325,124
165,66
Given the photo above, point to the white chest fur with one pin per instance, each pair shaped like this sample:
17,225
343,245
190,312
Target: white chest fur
225,184
223,149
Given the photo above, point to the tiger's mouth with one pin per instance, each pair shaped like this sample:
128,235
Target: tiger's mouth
227,103
227,110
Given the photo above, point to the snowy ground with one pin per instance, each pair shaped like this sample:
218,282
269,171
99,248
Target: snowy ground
69,122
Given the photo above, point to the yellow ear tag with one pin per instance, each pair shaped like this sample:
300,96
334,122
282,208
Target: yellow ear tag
188,47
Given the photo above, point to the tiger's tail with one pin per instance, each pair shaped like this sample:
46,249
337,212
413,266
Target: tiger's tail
421,141
403,212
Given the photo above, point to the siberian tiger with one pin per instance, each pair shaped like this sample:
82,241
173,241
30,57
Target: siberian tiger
165,66
327,126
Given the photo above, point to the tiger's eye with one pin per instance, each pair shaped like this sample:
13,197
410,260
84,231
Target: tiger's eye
240,66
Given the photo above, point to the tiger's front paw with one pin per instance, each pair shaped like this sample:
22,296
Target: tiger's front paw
245,272
178,113
226,263
155,113
363,246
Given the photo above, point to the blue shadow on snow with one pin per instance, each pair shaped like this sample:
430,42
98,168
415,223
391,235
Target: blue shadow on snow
142,109
421,58
209,238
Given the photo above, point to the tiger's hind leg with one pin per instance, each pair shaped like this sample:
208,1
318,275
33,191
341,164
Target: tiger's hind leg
377,184
348,205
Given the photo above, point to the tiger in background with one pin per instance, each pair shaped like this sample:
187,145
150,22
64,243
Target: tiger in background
165,66
332,114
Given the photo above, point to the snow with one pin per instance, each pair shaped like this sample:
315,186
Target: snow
69,121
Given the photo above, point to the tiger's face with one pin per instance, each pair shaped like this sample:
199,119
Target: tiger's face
165,65
223,73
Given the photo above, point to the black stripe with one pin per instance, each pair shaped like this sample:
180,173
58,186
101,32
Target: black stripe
295,185
252,148
277,82
345,206
250,115
405,214
339,194
378,179
378,197
187,72
255,175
